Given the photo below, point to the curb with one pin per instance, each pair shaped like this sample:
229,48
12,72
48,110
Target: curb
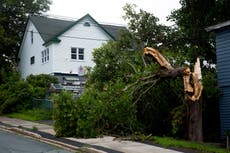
49,141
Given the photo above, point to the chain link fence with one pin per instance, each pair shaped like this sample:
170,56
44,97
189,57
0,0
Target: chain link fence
42,103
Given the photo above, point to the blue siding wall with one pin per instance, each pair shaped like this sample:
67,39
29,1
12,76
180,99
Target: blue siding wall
223,72
225,110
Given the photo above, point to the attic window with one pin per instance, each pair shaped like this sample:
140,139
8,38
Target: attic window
87,24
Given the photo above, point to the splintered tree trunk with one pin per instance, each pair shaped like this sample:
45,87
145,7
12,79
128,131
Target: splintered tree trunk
192,88
194,120
195,130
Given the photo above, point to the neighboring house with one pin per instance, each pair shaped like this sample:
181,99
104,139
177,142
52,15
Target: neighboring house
62,48
222,31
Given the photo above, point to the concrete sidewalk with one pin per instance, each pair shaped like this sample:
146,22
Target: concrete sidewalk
97,145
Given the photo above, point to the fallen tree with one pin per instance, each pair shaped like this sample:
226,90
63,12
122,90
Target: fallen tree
192,89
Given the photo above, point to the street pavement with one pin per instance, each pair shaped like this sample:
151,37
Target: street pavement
105,144
14,143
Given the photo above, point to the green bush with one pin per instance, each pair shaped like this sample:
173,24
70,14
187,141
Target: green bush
40,83
15,95
64,114
94,113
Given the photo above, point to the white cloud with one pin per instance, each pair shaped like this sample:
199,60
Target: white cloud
111,10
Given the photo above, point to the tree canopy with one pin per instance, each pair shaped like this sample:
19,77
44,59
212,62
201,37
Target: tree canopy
13,17
192,19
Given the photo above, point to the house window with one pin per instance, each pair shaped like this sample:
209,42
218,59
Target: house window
32,36
45,55
32,60
87,24
73,53
81,53
77,53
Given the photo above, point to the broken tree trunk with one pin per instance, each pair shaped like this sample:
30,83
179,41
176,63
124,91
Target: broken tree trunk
194,104
192,88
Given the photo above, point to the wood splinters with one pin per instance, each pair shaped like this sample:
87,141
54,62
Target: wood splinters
158,57
192,81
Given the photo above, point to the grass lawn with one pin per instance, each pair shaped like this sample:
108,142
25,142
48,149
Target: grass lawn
32,115
199,147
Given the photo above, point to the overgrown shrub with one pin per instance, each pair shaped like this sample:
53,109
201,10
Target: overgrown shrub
40,84
15,95
64,114
94,113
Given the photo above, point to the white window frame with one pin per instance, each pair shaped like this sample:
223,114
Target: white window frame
77,53
45,55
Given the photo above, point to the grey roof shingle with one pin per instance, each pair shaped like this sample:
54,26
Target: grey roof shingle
50,28
113,30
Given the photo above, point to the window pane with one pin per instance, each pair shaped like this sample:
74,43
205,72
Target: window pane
47,54
73,56
32,60
81,50
81,53
81,57
73,50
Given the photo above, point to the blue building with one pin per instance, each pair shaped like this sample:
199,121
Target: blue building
222,31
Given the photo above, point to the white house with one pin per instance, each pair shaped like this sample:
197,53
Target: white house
61,47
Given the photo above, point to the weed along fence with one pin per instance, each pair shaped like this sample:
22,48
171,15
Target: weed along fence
42,103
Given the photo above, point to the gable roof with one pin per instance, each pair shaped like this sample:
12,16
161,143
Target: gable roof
50,29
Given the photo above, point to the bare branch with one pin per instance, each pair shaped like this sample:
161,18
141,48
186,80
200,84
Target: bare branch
139,80
143,59
154,82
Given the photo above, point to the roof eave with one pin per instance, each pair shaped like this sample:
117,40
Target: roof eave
54,40
218,26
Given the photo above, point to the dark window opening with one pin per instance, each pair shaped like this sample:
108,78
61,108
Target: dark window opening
32,60
32,36
87,24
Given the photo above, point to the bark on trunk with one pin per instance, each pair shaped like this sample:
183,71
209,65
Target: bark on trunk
192,87
195,129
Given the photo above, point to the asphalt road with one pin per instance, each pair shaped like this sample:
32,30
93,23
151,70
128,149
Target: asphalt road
13,143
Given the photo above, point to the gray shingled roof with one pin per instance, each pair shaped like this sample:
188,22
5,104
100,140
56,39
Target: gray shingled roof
113,30
50,28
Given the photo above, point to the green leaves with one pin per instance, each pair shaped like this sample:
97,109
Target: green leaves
95,113
15,95
13,17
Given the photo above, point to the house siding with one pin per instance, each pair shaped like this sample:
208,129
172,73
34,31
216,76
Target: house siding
223,72
33,49
79,36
